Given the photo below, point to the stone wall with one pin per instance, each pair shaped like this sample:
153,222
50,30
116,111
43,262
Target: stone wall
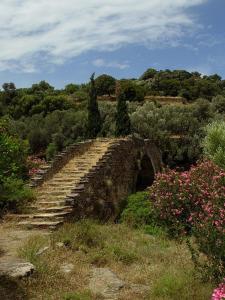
101,192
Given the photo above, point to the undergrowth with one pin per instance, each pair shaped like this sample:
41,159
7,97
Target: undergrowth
136,258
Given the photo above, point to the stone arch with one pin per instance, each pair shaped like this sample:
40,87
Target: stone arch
146,174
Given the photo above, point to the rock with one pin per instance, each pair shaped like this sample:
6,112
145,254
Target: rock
139,288
17,270
105,283
67,268
60,245
42,250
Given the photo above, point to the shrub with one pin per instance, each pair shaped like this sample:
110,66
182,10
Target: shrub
131,91
219,292
14,194
193,202
218,104
175,130
13,153
214,143
13,170
138,211
51,151
33,164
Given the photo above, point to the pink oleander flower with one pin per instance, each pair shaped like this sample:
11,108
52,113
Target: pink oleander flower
219,292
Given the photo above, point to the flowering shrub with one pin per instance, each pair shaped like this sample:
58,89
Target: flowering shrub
34,164
219,292
194,202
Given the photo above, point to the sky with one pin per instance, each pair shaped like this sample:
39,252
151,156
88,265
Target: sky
66,41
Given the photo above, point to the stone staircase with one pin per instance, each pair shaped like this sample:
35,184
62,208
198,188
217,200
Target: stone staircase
52,206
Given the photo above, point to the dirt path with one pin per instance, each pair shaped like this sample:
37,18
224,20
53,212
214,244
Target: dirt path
11,239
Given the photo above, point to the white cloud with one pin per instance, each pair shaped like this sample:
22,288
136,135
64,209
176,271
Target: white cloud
34,33
112,64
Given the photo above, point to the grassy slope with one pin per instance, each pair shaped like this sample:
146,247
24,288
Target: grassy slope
164,265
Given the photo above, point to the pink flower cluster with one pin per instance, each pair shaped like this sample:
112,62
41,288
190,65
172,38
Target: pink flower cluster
219,292
192,198
34,164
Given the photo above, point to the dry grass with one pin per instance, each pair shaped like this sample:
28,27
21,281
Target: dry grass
161,264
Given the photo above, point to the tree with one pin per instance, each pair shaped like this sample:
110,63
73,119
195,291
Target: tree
9,92
131,91
94,123
105,85
41,87
71,88
123,127
148,74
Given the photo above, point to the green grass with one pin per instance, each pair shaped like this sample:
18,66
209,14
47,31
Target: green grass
162,264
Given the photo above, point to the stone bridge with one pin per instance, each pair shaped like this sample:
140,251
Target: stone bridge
91,179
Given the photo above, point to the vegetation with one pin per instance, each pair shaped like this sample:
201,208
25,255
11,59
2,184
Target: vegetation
214,143
94,123
122,117
182,213
51,119
191,86
177,130
131,91
105,85
13,193
135,257
138,210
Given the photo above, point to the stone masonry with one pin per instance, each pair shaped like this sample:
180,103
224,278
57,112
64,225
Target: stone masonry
91,179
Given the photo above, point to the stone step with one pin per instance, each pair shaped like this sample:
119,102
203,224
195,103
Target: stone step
45,192
51,196
60,185
67,177
40,215
50,215
51,203
41,224
53,209
54,204
57,190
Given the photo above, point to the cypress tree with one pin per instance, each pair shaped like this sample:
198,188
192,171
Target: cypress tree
122,117
94,123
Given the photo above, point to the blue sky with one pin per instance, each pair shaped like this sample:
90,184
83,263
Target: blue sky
65,41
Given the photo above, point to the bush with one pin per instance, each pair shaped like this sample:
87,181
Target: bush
219,292
51,151
138,211
214,143
13,153
14,195
193,202
218,104
13,170
176,130
131,91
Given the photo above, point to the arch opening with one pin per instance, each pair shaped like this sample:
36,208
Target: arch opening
146,174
